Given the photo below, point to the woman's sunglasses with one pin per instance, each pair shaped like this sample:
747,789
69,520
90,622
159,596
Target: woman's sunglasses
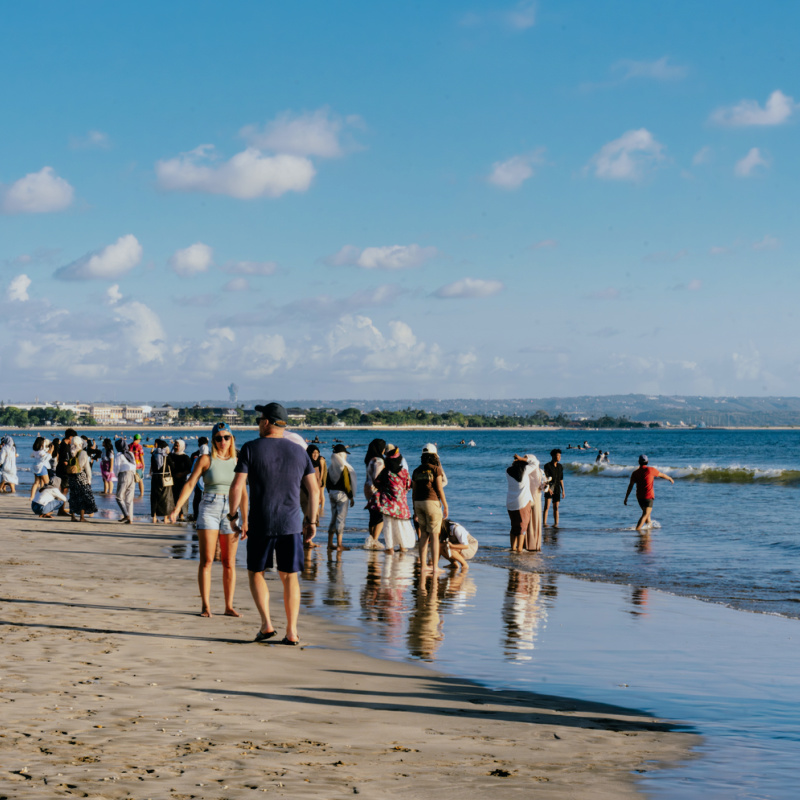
222,438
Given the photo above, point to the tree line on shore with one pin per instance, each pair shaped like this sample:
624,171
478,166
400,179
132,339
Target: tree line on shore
10,416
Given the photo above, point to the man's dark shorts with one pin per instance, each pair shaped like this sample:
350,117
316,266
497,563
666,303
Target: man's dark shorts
555,496
645,504
286,550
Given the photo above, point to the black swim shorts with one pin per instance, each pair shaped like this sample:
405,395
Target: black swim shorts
264,551
645,504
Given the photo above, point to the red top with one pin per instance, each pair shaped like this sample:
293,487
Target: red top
644,477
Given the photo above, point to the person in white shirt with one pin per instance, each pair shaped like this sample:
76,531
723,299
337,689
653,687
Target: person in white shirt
126,480
47,500
518,500
457,544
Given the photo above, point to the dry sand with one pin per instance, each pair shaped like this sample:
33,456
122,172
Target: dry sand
113,687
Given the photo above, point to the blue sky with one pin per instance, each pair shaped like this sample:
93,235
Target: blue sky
376,200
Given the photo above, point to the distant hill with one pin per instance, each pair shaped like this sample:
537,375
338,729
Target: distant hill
691,410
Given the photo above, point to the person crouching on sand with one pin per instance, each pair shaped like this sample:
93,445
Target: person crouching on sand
47,500
643,478
457,544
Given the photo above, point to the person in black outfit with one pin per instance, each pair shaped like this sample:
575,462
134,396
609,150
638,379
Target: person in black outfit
555,488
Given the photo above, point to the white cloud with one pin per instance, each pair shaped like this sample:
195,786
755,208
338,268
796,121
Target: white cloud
501,365
545,244
93,140
767,243
192,260
247,175
702,156
113,294
778,109
522,17
37,193
18,289
660,70
263,354
143,334
629,157
250,267
237,285
317,133
390,257
109,263
747,365
469,287
752,163
511,174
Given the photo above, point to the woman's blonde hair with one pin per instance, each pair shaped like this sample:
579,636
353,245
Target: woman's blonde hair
231,445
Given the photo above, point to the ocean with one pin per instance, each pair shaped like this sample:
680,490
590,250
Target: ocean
603,612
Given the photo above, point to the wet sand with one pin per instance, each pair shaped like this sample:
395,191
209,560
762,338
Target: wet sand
113,687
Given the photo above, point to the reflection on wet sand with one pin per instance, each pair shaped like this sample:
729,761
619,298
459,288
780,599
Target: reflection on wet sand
337,592
524,612
639,598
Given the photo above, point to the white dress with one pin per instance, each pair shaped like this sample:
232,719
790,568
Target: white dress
8,465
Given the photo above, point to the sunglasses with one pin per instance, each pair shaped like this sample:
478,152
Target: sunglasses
222,438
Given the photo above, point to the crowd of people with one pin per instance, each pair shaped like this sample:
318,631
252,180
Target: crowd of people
278,516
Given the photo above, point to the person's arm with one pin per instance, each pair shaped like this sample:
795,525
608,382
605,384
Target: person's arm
438,487
630,488
236,501
351,493
311,485
665,477
201,465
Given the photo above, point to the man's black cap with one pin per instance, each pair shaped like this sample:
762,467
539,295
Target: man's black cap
273,412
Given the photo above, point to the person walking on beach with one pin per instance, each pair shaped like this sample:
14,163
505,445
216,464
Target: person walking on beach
126,484
554,493
138,454
275,468
644,478
216,470
321,469
107,466
340,483
161,500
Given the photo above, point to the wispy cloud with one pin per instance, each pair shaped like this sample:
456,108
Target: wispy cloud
702,156
767,243
92,140
777,110
192,260
250,267
545,244
754,163
660,70
390,257
468,288
628,158
316,133
513,172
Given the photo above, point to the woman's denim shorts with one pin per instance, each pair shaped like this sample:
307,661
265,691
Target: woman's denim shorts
213,514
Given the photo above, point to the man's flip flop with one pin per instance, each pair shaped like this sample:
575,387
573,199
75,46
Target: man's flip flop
288,641
262,637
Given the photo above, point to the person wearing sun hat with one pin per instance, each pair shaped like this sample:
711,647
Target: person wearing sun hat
275,468
216,469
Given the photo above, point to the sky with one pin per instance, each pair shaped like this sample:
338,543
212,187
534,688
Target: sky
396,200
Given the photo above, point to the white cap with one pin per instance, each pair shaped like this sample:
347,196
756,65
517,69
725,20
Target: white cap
430,448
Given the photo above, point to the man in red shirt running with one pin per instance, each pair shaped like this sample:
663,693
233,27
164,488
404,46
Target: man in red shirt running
644,477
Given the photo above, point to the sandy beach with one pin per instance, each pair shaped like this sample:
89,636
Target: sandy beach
113,687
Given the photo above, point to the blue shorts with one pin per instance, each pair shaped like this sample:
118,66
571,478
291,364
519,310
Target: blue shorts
213,514
287,550
140,473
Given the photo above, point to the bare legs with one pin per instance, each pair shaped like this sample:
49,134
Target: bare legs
208,546
644,520
291,601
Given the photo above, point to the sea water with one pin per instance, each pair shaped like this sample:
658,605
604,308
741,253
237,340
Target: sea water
724,533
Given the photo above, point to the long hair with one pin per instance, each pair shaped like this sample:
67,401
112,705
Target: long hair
231,446
38,444
430,458
375,450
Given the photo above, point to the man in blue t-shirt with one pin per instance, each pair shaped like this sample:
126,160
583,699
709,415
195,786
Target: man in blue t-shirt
275,467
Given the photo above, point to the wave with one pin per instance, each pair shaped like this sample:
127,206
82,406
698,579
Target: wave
705,473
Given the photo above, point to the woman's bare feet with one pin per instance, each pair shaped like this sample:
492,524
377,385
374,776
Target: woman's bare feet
206,612
232,612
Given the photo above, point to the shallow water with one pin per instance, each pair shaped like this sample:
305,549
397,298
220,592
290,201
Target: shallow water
726,533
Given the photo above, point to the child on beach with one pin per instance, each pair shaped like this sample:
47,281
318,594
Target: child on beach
457,544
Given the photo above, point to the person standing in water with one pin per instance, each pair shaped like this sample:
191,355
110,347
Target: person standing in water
555,490
644,478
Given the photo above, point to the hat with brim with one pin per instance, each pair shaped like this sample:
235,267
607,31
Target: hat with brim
340,448
430,448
